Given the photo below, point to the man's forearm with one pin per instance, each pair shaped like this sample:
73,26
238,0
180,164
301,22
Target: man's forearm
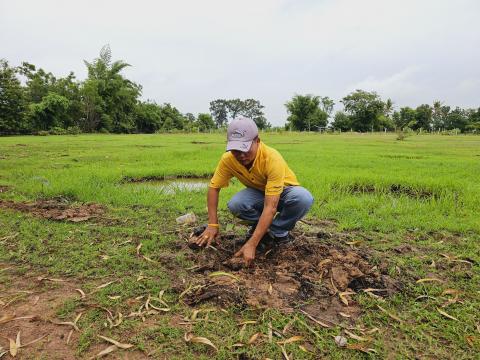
263,224
212,204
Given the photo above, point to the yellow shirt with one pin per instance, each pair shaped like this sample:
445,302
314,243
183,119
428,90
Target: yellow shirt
269,172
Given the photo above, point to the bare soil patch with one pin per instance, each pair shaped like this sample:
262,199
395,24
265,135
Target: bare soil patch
28,304
318,273
4,188
56,209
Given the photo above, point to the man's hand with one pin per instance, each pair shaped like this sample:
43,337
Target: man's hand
208,236
248,253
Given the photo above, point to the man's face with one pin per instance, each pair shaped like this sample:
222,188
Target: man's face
247,157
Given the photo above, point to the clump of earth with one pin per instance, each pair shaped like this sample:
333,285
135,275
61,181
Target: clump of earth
318,273
55,209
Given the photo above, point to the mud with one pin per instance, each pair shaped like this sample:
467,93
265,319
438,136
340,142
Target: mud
317,273
56,209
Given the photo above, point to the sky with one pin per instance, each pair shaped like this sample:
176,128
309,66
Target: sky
190,52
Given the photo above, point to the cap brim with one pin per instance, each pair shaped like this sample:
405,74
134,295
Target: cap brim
239,145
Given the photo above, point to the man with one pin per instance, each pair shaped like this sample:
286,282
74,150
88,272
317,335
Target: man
271,187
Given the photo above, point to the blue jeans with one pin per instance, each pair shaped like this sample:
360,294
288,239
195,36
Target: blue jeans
295,201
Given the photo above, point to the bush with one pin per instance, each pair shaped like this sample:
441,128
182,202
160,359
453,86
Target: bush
58,131
73,130
42,133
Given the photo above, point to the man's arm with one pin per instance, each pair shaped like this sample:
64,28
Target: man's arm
268,213
210,232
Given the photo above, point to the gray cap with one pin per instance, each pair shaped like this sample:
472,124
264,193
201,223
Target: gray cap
240,134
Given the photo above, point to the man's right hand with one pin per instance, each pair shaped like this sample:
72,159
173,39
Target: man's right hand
208,236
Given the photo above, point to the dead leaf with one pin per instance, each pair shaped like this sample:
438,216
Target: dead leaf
344,315
290,340
67,323
116,343
446,315
82,294
284,353
354,243
315,320
197,339
361,347
389,314
428,280
106,351
270,289
223,273
356,337
253,338
343,296
106,284
13,347
34,341
114,297
6,318
450,292
138,249
148,259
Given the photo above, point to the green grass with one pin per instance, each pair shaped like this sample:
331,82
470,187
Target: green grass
423,191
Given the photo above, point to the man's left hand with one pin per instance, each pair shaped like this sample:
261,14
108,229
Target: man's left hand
248,253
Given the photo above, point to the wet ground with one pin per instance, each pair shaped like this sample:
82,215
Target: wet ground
56,209
319,273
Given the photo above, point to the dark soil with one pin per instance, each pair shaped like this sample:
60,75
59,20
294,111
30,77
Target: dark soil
56,209
317,273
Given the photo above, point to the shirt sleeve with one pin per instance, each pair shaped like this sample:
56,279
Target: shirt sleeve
275,176
222,175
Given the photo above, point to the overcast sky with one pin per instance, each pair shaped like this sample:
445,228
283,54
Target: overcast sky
189,52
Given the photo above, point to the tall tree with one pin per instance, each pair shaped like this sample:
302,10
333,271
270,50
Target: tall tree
205,122
305,113
119,95
12,101
341,121
219,111
423,117
365,109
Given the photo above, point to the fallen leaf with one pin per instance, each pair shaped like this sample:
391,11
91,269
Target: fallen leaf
428,280
13,347
106,351
354,243
343,296
446,315
290,340
34,341
116,343
223,273
361,347
344,315
247,322
114,297
270,289
138,249
356,337
67,323
197,339
106,284
284,353
6,318
315,320
450,292
253,338
82,294
389,314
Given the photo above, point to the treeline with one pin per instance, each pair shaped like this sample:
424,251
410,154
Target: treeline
33,101
365,111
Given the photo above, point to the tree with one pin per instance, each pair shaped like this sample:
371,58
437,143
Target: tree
423,117
305,113
222,110
473,120
205,122
119,95
439,115
219,111
49,113
172,119
12,101
148,117
38,82
341,121
326,105
407,118
364,109
456,119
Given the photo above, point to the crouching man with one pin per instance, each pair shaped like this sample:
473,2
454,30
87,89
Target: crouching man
273,200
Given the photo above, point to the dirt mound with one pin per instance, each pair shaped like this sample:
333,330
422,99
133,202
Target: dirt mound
56,209
315,273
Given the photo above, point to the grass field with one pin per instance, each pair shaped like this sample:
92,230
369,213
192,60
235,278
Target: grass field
412,206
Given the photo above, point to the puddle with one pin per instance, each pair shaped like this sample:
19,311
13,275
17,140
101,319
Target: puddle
172,187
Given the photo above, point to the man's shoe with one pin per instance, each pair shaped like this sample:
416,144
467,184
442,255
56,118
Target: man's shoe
282,240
